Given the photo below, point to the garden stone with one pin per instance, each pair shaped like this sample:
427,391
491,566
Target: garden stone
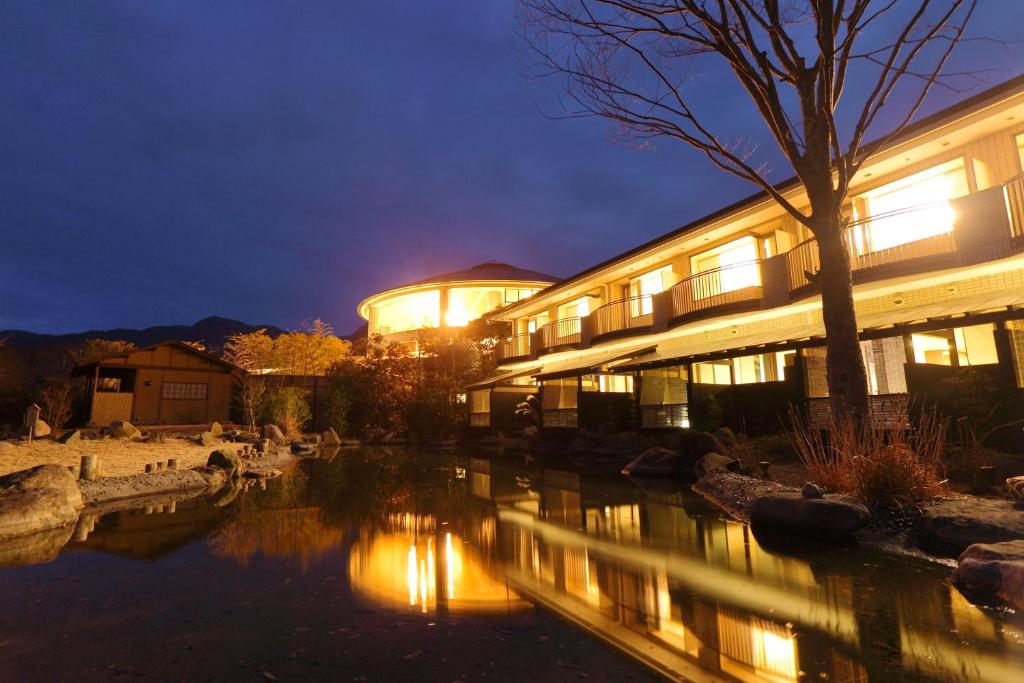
1015,487
209,439
832,518
714,461
274,433
37,499
812,490
992,572
330,438
120,429
726,437
950,526
228,460
40,429
216,429
655,461
264,446
70,436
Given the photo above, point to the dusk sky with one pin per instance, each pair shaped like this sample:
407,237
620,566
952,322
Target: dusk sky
277,161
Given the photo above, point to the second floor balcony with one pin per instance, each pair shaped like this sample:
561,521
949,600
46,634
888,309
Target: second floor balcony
559,334
633,313
732,287
515,347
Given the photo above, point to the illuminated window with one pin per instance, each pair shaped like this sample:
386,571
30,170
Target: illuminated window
883,360
663,398
184,391
559,402
974,345
729,267
647,285
109,384
537,322
514,295
469,303
608,384
1020,149
408,312
889,210
480,408
754,369
579,308
1016,329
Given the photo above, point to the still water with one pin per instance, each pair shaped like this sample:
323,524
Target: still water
391,565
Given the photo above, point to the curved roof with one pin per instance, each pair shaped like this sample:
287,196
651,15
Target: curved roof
489,272
486,272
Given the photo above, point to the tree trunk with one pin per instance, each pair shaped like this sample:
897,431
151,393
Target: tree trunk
847,379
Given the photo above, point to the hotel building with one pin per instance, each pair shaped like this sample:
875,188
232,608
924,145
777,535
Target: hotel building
717,322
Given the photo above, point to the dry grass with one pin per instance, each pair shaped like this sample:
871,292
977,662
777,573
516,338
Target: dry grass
882,466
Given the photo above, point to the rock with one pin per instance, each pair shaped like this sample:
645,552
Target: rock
216,429
714,461
694,444
274,433
812,490
823,518
7,447
991,573
330,438
37,499
264,446
726,438
41,429
228,460
312,438
70,436
120,429
36,548
303,448
209,439
1015,487
950,526
656,462
735,493
156,438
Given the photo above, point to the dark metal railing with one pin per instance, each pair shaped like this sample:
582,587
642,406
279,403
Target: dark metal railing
516,346
626,314
736,283
564,332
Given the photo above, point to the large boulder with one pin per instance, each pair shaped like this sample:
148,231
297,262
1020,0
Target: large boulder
330,438
694,444
228,460
1015,487
655,462
121,429
727,438
274,433
950,526
715,461
834,518
41,429
216,429
992,572
69,437
209,439
36,499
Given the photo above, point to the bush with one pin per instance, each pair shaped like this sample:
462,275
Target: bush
287,408
337,403
57,401
880,466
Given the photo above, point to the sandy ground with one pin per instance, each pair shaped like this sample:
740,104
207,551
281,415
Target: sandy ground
117,457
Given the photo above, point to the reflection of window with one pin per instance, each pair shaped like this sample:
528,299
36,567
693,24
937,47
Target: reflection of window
608,384
974,345
729,267
184,390
663,398
929,190
111,384
646,286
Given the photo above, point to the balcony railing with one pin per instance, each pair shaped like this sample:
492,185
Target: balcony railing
517,346
564,332
733,284
627,314
1013,191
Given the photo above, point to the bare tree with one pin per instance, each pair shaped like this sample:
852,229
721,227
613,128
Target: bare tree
630,61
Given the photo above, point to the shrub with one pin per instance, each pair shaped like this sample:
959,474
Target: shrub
57,402
287,408
882,466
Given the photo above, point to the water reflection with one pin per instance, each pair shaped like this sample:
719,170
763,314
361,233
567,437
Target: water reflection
656,574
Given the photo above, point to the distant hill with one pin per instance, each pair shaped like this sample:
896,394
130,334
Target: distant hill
212,331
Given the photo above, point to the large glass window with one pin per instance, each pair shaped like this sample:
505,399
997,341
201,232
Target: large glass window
646,286
579,308
480,408
559,402
883,360
890,212
514,295
408,312
729,267
663,398
757,368
608,384
469,303
973,345
537,322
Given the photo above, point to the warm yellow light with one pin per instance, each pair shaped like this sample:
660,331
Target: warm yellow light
778,653
449,563
410,575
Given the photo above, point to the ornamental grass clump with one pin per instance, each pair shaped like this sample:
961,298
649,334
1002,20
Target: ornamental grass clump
883,466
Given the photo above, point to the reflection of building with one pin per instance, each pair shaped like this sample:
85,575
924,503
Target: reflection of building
721,319
422,566
448,300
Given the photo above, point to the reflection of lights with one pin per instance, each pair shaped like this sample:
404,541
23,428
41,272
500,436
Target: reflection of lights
449,562
411,575
777,653
460,472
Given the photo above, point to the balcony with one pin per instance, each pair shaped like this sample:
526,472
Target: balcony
515,347
622,316
729,288
558,334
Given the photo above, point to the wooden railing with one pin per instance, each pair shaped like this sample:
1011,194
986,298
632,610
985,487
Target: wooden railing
564,332
626,314
518,346
713,288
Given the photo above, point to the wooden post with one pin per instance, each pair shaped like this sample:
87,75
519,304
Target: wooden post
87,470
149,468
172,463
31,417
160,465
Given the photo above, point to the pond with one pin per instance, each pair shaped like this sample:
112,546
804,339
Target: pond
393,565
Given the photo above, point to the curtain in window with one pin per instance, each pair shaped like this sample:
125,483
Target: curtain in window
663,386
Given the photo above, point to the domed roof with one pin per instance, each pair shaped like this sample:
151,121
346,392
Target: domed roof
487,271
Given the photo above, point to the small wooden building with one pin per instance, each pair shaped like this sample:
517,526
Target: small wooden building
166,383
